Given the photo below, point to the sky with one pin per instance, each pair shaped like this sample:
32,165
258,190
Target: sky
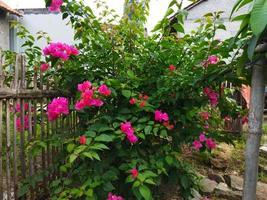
157,7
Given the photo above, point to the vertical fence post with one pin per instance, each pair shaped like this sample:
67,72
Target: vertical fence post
255,130
1,129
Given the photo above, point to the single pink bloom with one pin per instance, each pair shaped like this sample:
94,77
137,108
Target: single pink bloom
134,172
80,105
132,101
210,143
213,59
145,97
82,139
206,90
204,115
128,130
202,137
142,104
114,197
55,5
168,125
172,68
104,90
160,116
84,86
88,94
132,138
17,107
26,123
206,126
197,145
44,67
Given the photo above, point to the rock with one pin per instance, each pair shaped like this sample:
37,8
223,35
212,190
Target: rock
207,186
216,177
263,151
223,191
235,182
261,191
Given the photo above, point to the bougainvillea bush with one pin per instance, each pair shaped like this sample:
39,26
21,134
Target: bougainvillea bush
138,99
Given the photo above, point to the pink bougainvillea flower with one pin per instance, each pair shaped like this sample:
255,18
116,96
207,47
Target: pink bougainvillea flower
204,115
57,107
197,145
206,198
55,5
172,68
97,102
134,172
202,137
142,104
128,130
80,105
26,123
17,107
244,120
104,90
160,116
168,125
213,60
211,144
82,139
82,87
114,197
145,97
44,67
132,101
212,95
60,50
206,126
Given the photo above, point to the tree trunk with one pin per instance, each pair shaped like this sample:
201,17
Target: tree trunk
255,131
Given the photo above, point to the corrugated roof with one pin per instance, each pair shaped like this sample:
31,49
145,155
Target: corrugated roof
7,8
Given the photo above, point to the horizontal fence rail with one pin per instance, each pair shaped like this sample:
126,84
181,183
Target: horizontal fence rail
23,120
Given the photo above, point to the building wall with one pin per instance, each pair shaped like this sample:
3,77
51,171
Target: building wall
215,6
4,31
36,20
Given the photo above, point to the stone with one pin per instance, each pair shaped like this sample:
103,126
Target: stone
216,177
261,191
236,182
207,186
263,169
223,191
263,151
196,195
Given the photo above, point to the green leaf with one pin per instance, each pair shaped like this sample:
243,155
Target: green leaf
150,181
73,158
148,130
258,19
98,146
145,192
104,138
251,46
126,93
70,147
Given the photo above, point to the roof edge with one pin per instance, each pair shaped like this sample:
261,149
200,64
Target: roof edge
8,9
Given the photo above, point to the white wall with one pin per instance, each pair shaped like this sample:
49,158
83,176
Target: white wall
215,6
57,29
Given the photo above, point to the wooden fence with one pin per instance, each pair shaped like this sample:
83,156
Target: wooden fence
24,95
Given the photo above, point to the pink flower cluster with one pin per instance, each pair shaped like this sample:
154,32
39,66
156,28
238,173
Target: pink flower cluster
212,95
198,144
142,100
26,123
212,60
44,67
172,68
60,50
57,107
55,5
26,116
160,116
114,197
164,118
128,130
204,115
88,98
134,172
